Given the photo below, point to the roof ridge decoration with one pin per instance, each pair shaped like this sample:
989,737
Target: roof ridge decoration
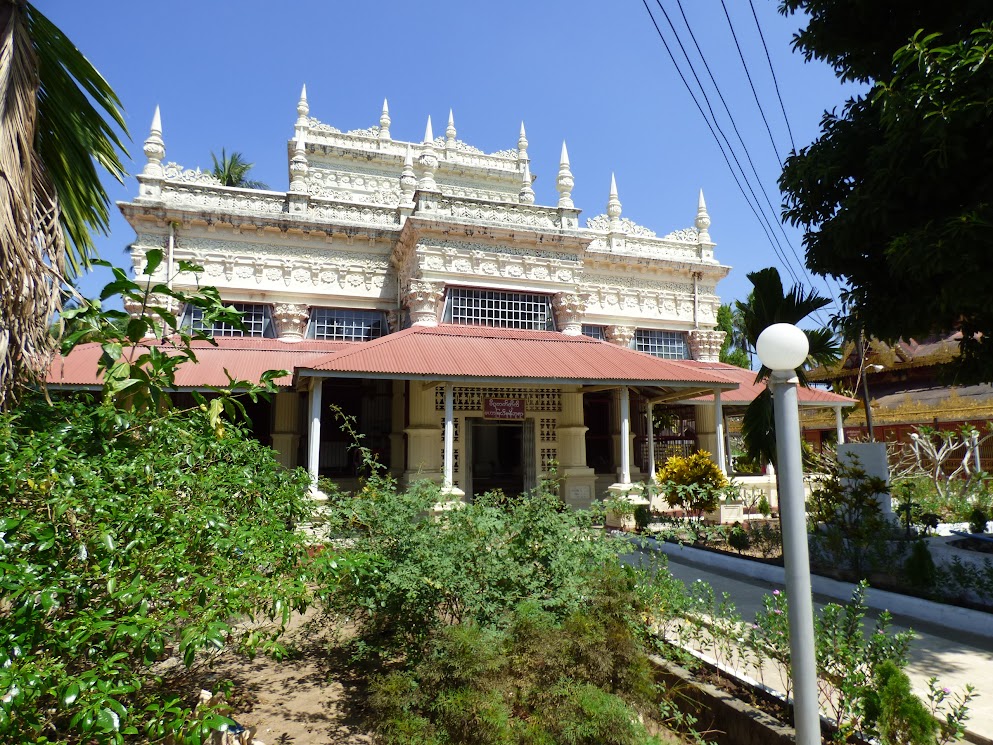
602,223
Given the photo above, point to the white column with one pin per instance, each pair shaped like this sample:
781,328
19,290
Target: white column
839,426
625,436
651,442
314,441
449,460
719,431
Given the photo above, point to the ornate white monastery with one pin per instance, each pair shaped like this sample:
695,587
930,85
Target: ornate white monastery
479,339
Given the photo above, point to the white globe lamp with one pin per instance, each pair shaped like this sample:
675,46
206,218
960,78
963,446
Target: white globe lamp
782,346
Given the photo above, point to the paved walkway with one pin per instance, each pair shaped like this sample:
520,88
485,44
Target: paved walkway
954,657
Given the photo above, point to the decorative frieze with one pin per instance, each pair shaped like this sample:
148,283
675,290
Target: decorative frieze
569,308
705,345
291,320
423,301
620,335
471,399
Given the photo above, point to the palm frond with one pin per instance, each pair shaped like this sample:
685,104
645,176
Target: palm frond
51,138
32,260
73,137
233,171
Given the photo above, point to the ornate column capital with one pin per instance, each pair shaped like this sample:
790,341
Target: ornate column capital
291,320
423,301
569,308
705,345
620,335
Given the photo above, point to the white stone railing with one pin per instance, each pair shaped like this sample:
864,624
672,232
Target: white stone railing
507,213
223,199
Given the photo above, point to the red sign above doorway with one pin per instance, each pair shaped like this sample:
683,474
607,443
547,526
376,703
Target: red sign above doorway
503,408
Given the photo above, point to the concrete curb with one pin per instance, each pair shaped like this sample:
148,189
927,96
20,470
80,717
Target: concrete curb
926,611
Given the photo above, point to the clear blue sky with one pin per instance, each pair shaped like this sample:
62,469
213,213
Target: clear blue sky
228,74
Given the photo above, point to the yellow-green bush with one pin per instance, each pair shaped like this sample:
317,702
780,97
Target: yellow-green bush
696,469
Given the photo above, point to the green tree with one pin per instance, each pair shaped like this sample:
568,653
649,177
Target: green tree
896,194
60,123
232,170
769,303
733,351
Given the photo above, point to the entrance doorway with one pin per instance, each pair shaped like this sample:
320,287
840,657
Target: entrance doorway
501,456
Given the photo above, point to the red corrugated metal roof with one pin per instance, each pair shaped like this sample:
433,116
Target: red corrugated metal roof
748,389
480,352
245,358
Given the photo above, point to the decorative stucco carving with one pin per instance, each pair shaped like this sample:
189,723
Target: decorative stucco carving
684,235
705,344
515,214
223,199
508,153
569,308
316,125
601,223
620,335
423,301
175,172
291,320
367,132
231,263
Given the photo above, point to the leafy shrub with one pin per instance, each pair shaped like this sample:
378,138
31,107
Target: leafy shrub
919,568
899,716
977,521
853,531
929,521
738,538
694,482
126,538
765,509
410,570
582,679
642,517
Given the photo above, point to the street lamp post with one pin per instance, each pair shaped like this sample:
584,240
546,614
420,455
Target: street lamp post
782,348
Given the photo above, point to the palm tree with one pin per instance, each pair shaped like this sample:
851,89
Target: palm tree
233,171
734,348
767,304
53,135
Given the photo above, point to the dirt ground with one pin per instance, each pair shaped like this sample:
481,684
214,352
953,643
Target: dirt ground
310,699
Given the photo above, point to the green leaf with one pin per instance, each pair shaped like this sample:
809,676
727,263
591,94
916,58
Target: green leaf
153,258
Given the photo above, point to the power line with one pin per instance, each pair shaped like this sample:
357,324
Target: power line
744,147
768,130
734,174
751,85
756,208
775,81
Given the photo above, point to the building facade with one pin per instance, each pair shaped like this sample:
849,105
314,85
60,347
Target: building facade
477,338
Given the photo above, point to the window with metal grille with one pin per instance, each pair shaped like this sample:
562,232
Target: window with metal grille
516,310
597,332
256,317
346,325
670,345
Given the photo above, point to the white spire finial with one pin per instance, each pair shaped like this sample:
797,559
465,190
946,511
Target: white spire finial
702,221
522,146
384,122
613,205
450,131
565,182
408,179
298,165
428,161
526,194
303,108
154,147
